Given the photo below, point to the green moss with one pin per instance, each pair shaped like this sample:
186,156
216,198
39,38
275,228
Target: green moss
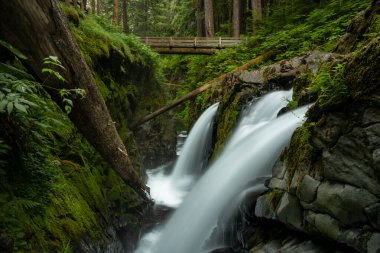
300,154
55,189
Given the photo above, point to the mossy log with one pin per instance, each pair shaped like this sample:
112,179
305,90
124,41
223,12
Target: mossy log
204,87
39,29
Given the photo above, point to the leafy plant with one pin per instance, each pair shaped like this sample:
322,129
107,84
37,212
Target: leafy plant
50,63
331,85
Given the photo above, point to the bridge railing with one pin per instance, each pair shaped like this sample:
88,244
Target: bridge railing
196,42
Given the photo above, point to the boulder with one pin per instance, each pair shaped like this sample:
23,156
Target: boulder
290,212
345,203
307,189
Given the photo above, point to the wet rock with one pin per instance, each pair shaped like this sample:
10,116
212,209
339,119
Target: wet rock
373,244
351,159
276,183
279,169
344,202
371,116
290,212
266,205
323,224
373,214
223,250
307,189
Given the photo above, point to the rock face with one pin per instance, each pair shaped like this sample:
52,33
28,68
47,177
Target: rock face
327,183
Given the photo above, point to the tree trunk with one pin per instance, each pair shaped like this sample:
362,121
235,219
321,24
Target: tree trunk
84,5
236,18
75,3
67,2
99,7
115,12
93,7
198,17
209,19
39,29
125,17
257,12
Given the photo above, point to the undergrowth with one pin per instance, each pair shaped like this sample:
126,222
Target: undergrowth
55,189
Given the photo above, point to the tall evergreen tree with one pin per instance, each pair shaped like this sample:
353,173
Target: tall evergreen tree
209,18
236,17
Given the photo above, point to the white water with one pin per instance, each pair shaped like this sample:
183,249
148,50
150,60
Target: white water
169,190
250,154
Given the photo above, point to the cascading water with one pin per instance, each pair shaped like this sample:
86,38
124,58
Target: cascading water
250,154
169,190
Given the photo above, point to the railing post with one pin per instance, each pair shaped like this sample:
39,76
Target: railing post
171,42
146,40
220,42
195,41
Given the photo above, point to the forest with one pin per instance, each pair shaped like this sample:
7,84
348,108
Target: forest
193,126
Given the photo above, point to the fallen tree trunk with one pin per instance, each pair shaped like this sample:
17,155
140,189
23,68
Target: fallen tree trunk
201,89
39,29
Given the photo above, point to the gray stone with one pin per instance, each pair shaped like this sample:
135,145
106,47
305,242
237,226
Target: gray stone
251,77
371,116
353,238
324,224
307,190
343,202
266,207
376,156
276,183
328,134
297,246
298,174
373,214
290,212
279,169
373,244
351,159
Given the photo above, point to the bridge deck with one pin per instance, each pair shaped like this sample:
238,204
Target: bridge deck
185,45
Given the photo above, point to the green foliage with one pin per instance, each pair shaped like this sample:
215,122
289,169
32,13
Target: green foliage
54,187
331,85
13,50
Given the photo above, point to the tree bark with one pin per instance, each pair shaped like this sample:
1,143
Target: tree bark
257,12
209,18
75,3
84,5
93,10
201,89
236,18
67,2
39,29
115,12
198,17
99,7
125,17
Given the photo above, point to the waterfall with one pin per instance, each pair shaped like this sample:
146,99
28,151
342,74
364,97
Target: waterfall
169,189
249,155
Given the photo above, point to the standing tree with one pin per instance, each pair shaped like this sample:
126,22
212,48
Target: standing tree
209,18
75,3
125,17
115,12
99,7
236,17
39,29
257,12
93,6
67,2
199,17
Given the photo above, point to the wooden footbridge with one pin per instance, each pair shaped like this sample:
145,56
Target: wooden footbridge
186,45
